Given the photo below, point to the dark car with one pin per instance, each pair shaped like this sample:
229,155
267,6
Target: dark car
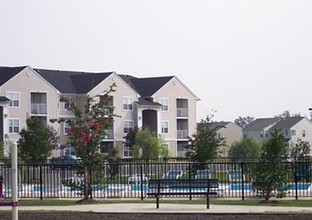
63,162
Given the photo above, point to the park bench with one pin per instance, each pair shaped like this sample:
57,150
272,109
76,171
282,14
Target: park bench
190,187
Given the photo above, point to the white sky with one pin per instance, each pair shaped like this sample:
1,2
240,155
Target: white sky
240,57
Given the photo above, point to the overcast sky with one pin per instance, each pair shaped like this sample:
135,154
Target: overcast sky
240,57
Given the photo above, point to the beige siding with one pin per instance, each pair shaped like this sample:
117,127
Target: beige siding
25,82
122,90
172,91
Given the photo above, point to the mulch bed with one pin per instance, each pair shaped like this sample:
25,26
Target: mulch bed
150,216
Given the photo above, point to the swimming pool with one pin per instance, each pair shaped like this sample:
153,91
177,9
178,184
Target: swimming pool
290,186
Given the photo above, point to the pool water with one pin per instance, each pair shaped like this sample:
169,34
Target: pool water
290,186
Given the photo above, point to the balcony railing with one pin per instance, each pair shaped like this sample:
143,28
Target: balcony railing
38,108
182,134
182,112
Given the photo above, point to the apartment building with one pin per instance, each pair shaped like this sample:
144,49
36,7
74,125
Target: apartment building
162,104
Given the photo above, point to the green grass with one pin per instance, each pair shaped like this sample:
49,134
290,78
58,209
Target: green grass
247,202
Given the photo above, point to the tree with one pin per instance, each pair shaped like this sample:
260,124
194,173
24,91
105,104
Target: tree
53,137
148,146
130,137
243,121
300,150
86,132
247,147
203,145
299,153
270,173
34,145
286,114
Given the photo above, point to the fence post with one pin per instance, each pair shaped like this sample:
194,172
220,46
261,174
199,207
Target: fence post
296,180
40,182
90,185
1,187
141,181
242,179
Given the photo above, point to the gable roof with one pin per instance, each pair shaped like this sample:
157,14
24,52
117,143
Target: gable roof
6,73
218,125
260,123
287,123
73,82
83,82
146,87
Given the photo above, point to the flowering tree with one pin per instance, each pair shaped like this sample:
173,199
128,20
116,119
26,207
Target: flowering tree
86,132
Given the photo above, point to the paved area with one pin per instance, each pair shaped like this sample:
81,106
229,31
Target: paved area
167,208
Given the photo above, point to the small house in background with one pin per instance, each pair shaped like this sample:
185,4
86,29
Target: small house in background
293,128
228,131
259,128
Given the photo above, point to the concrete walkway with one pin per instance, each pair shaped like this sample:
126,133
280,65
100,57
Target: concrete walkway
166,208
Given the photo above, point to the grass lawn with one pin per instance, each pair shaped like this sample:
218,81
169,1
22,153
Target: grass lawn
61,202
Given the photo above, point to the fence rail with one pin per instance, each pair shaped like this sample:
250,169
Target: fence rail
129,178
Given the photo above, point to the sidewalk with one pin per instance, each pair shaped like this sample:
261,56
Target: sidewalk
166,208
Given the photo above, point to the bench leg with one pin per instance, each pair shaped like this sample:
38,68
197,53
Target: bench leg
157,202
207,201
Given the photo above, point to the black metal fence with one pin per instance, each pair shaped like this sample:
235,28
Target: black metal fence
129,178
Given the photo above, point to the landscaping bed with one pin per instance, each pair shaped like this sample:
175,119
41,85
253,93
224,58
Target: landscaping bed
48,215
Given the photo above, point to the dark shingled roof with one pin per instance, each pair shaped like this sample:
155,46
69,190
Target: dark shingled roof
287,123
260,123
83,82
6,73
218,125
4,99
146,87
73,82
148,102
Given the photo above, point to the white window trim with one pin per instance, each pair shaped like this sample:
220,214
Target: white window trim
70,99
64,127
129,152
162,128
123,125
19,125
19,98
127,98
160,101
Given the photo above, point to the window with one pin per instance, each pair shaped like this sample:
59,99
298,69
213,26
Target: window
126,125
13,126
261,134
106,147
127,104
128,151
66,127
164,127
219,136
69,103
293,132
14,99
303,133
107,104
164,103
266,134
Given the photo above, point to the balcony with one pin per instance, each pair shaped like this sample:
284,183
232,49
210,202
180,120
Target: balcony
182,134
38,109
182,112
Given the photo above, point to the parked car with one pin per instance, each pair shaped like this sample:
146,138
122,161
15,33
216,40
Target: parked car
63,162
